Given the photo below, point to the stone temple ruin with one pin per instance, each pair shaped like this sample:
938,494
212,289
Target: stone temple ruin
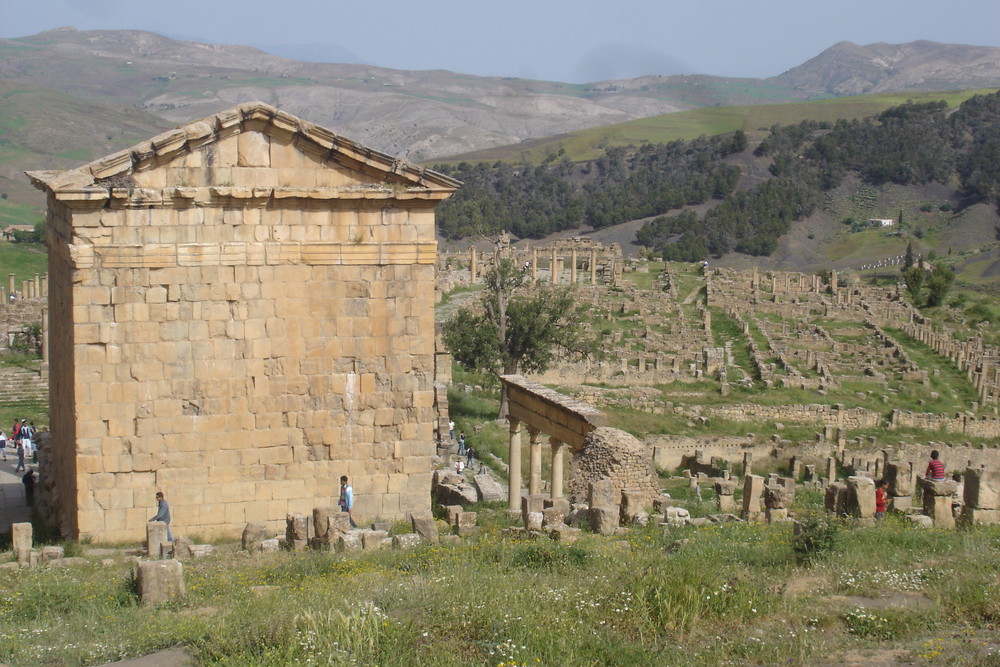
242,310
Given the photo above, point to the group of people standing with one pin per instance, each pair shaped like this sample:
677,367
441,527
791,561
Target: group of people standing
22,441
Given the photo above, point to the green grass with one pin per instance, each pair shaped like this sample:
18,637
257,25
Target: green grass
24,260
729,593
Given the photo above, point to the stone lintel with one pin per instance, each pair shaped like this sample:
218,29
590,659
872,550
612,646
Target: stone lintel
562,417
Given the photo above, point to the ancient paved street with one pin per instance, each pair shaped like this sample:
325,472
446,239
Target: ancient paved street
12,507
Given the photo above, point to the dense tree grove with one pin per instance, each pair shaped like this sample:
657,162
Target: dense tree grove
908,144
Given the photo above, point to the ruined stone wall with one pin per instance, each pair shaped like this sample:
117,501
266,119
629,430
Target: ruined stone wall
612,454
14,317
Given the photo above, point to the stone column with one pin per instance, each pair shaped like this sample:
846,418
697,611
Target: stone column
535,462
3,295
593,266
747,464
24,289
752,488
45,285
900,486
724,495
514,472
831,469
937,501
572,267
10,283
557,467
553,270
534,265
38,284
473,264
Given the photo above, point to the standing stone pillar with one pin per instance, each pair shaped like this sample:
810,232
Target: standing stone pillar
156,534
45,285
514,472
557,467
10,283
572,267
38,284
534,265
861,497
724,500
593,266
981,496
554,270
473,264
752,488
776,501
937,501
900,486
831,469
24,289
747,464
21,536
3,295
534,462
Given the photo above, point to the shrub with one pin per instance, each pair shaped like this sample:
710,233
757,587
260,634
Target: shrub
815,537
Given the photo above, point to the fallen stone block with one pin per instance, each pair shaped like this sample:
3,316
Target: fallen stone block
405,541
253,535
159,581
604,520
425,526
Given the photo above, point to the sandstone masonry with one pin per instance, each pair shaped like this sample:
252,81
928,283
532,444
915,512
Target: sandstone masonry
241,311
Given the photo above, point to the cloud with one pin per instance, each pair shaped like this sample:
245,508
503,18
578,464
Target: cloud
627,61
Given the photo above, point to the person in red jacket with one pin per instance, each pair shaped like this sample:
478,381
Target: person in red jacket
880,499
935,469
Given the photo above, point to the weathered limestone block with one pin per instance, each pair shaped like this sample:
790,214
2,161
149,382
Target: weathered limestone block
531,503
451,513
270,546
156,534
982,488
553,516
835,499
183,548
633,504
337,523
937,501
561,504
603,493
676,516
920,520
564,534
661,502
321,521
21,534
465,523
348,542
724,489
898,476
253,536
490,490
604,520
50,554
975,516
777,497
405,541
159,581
424,526
371,540
753,486
861,497
533,520
296,527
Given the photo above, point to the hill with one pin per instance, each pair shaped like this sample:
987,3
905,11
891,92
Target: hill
848,69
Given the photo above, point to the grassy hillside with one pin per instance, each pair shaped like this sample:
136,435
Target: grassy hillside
590,144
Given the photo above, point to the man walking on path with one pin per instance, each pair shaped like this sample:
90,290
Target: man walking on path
20,456
163,513
346,500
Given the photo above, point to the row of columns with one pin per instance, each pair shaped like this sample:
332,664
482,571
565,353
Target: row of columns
30,289
535,465
554,270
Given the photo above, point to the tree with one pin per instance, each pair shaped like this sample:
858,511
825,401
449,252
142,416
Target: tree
520,329
938,284
908,258
913,277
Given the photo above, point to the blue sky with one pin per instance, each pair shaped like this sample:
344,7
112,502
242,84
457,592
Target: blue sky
562,40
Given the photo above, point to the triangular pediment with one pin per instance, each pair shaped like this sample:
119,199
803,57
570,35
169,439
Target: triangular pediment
251,147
